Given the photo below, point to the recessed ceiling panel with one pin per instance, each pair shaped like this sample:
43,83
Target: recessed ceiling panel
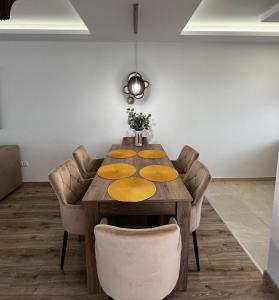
232,17
44,17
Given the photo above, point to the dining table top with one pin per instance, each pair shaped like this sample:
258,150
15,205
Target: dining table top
172,191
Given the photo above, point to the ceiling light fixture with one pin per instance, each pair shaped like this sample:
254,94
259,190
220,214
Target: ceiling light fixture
5,9
135,86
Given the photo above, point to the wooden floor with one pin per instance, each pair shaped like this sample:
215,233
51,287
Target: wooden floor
30,243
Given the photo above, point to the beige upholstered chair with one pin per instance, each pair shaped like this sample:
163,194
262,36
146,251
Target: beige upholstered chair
196,181
185,159
138,264
69,188
131,141
86,164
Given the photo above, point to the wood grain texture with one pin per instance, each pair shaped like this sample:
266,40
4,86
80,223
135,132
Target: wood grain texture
173,190
30,246
183,210
271,282
171,198
92,219
127,140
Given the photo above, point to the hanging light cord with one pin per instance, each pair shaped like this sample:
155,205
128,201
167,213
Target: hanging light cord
136,52
136,20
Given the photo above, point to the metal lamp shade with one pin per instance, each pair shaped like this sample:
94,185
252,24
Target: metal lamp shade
136,86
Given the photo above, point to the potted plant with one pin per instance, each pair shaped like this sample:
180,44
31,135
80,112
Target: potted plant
138,122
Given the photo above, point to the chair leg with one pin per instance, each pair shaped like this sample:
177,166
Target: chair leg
196,249
65,239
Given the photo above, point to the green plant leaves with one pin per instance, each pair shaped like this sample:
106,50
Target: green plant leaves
138,121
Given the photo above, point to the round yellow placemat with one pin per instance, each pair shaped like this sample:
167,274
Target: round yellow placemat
159,173
133,189
116,171
152,154
121,153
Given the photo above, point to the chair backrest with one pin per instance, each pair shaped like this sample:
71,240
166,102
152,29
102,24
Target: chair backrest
131,140
67,183
83,160
138,263
197,180
186,158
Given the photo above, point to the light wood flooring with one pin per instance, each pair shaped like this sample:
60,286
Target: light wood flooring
30,245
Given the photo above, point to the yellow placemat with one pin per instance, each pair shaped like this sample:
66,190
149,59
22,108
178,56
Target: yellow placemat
133,189
121,153
116,171
152,154
159,173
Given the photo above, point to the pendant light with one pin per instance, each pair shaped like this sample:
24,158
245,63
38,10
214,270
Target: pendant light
5,9
136,85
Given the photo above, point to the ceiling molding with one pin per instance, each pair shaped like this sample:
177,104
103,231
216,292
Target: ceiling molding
271,15
42,17
159,21
233,18
112,21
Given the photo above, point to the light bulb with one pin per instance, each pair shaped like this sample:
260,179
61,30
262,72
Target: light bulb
136,87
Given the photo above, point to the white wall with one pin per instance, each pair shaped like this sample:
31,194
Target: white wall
273,260
221,98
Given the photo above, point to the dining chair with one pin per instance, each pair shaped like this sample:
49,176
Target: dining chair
185,159
196,181
127,140
86,164
138,263
69,188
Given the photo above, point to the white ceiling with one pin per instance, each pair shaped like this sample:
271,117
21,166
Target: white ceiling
106,20
159,20
272,14
43,16
112,20
234,17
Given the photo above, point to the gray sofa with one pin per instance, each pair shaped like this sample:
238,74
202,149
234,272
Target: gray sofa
10,170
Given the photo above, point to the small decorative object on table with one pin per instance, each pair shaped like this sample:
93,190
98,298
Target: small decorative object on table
138,122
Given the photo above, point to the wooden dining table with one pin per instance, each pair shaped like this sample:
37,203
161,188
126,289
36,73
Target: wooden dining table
171,199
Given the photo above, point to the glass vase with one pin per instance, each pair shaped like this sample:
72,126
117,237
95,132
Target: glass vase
138,138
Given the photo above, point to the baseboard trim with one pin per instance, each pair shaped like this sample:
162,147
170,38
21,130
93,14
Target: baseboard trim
218,179
271,282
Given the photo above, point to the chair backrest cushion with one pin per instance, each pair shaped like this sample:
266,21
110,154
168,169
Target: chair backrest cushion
68,183
186,158
83,159
138,263
197,180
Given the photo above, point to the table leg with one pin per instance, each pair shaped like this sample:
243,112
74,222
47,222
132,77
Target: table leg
92,219
183,220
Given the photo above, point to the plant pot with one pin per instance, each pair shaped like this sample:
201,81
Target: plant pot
138,138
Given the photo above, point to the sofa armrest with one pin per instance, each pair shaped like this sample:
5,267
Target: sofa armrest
10,171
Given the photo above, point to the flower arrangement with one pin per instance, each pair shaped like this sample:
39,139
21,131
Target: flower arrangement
138,121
